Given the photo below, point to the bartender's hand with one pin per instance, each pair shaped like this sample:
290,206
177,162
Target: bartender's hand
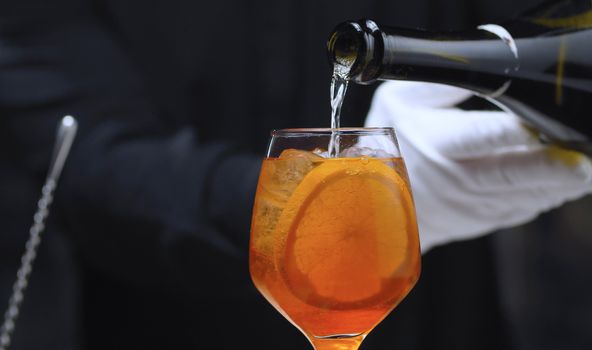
473,172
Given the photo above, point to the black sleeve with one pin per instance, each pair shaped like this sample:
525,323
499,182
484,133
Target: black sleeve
143,200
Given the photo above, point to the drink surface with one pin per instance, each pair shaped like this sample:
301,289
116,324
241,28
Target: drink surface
334,243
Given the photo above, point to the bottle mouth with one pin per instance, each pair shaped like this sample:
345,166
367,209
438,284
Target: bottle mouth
355,49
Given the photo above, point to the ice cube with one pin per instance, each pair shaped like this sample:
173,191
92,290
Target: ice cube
295,153
357,152
279,179
288,170
321,152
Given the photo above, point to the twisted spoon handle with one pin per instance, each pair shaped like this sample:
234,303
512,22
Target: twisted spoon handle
65,137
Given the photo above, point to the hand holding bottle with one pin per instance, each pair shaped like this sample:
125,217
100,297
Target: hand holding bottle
537,66
473,172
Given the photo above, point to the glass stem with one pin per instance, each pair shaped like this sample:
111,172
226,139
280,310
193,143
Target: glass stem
352,343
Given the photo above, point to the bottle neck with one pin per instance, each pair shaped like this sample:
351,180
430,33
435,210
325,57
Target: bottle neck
481,60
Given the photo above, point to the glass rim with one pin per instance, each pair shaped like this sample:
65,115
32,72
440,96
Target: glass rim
291,132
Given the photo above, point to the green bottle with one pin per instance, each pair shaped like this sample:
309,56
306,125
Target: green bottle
538,66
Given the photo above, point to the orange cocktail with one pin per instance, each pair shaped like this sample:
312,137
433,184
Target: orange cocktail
334,243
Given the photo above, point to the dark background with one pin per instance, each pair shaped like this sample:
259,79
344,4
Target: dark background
126,264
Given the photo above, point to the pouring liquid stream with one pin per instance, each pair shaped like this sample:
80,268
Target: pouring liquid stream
339,84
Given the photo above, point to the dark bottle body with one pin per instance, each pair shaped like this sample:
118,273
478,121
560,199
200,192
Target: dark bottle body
539,67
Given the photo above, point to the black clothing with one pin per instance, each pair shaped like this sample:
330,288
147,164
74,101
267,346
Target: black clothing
175,100
547,263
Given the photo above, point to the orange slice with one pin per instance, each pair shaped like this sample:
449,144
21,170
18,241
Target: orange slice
345,233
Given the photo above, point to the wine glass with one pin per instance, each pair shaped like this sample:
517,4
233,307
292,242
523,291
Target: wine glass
334,243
